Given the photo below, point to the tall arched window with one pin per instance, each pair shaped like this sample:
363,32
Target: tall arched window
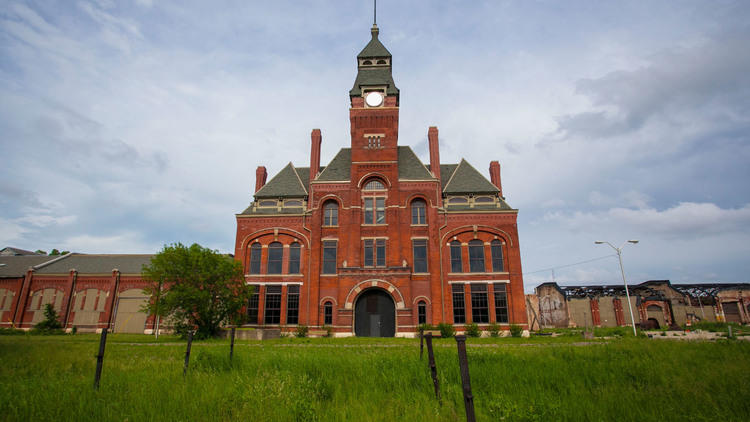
476,256
496,247
275,255
456,264
294,254
255,251
331,214
374,202
328,313
422,312
418,212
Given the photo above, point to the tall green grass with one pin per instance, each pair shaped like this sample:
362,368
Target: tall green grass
50,378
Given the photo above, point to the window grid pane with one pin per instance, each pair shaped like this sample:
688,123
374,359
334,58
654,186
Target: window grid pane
479,306
476,256
292,305
456,265
252,307
275,254
379,210
420,255
255,251
369,205
329,257
368,253
328,313
497,256
331,214
273,305
418,212
422,313
501,303
380,252
459,308
294,254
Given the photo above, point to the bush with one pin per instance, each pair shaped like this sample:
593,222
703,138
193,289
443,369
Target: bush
301,331
51,320
472,330
11,332
425,327
494,330
515,330
446,330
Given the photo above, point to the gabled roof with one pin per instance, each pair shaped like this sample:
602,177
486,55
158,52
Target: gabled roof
466,179
339,168
286,183
374,48
97,264
17,265
410,167
446,171
11,251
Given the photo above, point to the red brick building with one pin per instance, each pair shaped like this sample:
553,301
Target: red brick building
376,242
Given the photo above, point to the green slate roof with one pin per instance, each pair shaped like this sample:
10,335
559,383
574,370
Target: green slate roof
374,77
339,168
410,167
446,171
466,179
286,183
374,48
98,264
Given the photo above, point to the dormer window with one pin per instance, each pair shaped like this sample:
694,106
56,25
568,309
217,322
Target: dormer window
382,62
367,63
268,203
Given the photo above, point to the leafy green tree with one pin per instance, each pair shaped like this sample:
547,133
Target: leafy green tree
196,288
51,319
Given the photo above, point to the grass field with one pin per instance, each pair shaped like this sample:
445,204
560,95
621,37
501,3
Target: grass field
544,379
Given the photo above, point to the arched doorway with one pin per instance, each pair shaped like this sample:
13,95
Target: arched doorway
374,314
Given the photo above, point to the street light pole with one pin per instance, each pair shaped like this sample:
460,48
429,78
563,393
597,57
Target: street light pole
622,270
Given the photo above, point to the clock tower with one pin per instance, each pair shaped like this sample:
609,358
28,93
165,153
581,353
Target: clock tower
374,109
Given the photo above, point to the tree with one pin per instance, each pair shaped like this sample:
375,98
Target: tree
196,287
51,319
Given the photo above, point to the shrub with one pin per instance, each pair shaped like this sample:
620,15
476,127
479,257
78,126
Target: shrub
446,330
494,330
472,330
515,330
301,331
11,332
425,327
51,320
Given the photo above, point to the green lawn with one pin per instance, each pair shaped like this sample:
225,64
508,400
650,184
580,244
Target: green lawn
538,378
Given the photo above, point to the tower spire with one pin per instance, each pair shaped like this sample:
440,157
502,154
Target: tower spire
374,12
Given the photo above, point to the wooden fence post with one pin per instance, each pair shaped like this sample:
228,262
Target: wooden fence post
421,342
465,381
187,352
433,368
100,358
231,345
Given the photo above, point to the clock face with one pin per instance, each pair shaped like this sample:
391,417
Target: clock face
374,99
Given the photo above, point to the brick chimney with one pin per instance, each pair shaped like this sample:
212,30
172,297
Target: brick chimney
260,178
495,176
432,136
316,140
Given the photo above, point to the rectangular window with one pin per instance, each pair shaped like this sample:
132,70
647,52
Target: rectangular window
374,210
419,248
374,250
501,303
479,307
255,251
497,256
329,257
292,305
275,256
328,314
273,305
456,265
252,307
422,313
459,308
294,253
476,256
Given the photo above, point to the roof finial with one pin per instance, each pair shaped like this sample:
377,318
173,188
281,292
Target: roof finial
374,12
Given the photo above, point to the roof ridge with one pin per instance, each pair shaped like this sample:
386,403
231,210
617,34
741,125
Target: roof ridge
454,173
418,159
298,178
277,178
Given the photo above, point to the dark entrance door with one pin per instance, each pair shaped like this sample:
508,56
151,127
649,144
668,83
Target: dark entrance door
374,315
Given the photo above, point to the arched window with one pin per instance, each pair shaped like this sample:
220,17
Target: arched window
275,255
374,202
366,62
418,212
456,264
476,256
255,250
382,62
328,313
496,247
422,312
294,254
331,214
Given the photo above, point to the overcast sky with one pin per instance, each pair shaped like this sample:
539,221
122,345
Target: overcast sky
127,125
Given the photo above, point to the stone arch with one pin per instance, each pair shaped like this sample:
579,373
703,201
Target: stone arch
373,175
249,238
374,313
330,197
421,297
325,299
392,290
480,228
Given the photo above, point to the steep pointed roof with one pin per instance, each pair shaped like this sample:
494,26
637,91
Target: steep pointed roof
286,183
410,167
374,49
339,168
466,179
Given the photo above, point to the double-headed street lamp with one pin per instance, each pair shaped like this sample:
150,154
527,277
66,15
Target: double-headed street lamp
627,294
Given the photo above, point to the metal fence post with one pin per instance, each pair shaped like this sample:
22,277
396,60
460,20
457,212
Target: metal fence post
187,352
100,358
465,381
231,345
433,368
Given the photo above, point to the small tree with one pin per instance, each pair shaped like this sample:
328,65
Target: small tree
197,288
51,319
